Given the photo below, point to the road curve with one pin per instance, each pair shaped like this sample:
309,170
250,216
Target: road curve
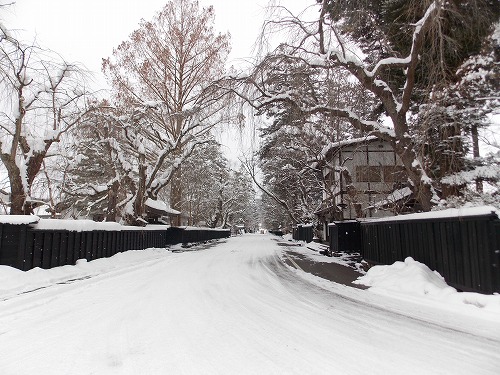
234,308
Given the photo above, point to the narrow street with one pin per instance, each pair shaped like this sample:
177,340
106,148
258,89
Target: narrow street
233,308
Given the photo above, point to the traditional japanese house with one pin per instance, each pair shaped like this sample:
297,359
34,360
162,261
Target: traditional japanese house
364,178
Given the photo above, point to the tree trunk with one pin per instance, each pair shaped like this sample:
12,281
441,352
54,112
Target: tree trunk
352,193
421,186
176,193
136,217
219,215
112,201
17,191
141,191
475,153
17,196
450,160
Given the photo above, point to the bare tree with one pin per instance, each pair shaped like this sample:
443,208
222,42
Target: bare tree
43,97
167,67
319,46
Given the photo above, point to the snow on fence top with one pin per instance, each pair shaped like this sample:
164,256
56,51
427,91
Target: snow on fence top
79,225
204,228
71,225
449,213
305,225
19,219
82,225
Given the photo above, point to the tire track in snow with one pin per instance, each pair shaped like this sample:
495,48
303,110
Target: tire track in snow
236,308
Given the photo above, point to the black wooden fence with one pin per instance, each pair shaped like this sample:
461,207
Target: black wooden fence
345,236
24,247
464,250
303,232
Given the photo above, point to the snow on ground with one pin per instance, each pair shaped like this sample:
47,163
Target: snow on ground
14,281
231,308
409,288
315,252
408,280
414,278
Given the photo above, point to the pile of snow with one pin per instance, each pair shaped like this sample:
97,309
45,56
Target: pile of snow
412,278
318,254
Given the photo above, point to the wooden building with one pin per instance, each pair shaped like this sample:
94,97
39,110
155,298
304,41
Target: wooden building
363,178
158,212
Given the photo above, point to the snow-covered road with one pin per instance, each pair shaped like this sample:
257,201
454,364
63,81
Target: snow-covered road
234,308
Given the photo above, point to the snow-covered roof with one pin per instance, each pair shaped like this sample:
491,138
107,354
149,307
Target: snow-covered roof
336,145
160,206
354,141
394,197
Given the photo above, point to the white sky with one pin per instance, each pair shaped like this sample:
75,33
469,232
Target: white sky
87,31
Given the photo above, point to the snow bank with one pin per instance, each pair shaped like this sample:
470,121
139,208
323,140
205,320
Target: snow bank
317,255
14,281
413,278
316,246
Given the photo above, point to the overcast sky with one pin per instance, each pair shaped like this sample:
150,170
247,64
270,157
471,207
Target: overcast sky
87,31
